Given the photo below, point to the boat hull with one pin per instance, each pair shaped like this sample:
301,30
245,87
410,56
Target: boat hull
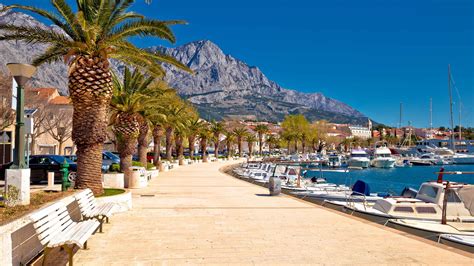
383,163
358,163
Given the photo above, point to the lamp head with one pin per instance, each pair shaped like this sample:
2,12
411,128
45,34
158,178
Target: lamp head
21,72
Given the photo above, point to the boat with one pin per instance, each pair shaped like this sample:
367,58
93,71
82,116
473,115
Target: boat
464,242
334,160
429,159
426,205
358,158
360,192
455,234
383,158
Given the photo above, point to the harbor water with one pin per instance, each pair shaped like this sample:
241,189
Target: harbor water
394,180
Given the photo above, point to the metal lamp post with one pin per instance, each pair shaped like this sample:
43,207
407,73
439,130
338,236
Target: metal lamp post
21,73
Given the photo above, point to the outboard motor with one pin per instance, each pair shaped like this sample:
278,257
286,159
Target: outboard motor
361,188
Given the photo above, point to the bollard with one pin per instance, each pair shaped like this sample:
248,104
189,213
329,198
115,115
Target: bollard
274,186
50,180
65,172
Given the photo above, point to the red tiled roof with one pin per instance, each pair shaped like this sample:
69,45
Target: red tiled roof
60,100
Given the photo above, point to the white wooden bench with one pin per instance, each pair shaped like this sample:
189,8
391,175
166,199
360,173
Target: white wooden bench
56,229
91,210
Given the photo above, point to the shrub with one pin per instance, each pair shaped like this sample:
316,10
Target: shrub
135,163
149,165
115,167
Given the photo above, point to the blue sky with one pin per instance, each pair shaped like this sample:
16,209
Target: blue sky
370,54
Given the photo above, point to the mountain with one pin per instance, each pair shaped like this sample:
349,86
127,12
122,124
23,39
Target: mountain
222,86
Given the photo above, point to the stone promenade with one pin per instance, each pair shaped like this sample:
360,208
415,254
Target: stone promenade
198,215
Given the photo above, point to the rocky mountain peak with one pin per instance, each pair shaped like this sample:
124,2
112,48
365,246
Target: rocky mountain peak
221,85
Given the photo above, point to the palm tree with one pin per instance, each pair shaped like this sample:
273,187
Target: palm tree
229,141
216,129
143,140
130,98
179,135
193,126
92,33
251,139
272,142
157,135
261,130
204,135
240,133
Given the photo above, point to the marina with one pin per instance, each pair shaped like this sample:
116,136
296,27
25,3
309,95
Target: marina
434,204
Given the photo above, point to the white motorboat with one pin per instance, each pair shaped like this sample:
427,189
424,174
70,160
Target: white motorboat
430,159
334,160
460,158
464,242
455,234
427,205
383,158
358,158
360,192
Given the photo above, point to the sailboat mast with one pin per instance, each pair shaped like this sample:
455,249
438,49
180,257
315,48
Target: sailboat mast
460,127
431,117
451,107
400,121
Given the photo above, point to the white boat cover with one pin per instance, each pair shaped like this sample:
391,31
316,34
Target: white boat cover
466,193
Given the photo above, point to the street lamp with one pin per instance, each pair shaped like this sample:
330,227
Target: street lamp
21,73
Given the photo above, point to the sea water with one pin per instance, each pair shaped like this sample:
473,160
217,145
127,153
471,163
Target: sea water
394,180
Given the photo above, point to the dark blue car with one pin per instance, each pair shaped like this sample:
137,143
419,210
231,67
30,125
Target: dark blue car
40,165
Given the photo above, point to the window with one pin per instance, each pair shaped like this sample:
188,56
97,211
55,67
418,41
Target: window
429,191
453,197
425,210
403,209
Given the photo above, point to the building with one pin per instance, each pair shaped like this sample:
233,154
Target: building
360,132
51,103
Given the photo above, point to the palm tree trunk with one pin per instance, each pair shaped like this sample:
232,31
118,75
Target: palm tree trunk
180,149
229,149
296,146
239,140
169,144
90,87
157,134
126,148
250,149
204,149
303,144
143,143
216,148
191,140
260,142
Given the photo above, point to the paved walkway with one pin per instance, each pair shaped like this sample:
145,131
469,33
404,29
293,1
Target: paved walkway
197,215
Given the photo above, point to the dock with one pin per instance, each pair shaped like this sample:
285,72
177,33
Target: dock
199,215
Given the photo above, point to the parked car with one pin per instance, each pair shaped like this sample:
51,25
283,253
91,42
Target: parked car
105,162
40,165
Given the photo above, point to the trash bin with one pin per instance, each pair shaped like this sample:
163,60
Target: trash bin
138,177
274,186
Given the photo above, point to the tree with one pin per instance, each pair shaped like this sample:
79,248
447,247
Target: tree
7,115
272,141
296,127
204,135
261,130
251,139
131,96
216,129
240,133
229,141
92,33
193,126
59,126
